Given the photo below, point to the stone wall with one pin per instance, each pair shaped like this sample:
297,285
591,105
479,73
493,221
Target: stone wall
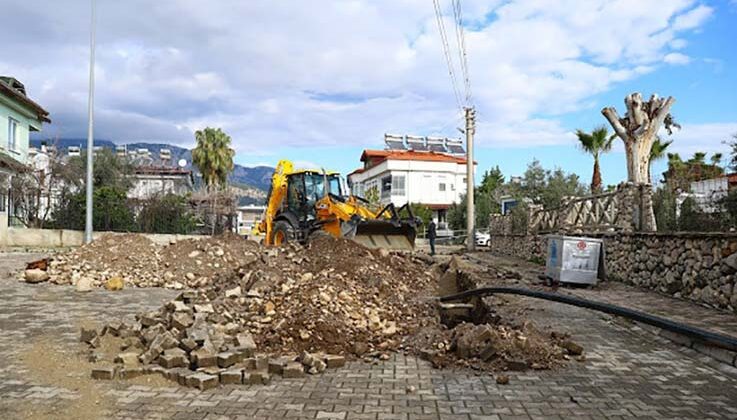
699,267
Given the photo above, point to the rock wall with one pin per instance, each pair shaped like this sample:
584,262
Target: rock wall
699,267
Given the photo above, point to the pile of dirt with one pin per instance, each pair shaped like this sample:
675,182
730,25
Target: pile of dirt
132,257
495,347
194,262
333,297
139,262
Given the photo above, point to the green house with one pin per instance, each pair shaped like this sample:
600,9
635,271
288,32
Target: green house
19,115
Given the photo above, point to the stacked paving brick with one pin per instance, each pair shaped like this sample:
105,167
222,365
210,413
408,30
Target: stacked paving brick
181,343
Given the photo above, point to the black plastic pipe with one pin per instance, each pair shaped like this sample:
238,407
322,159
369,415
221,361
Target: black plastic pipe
712,338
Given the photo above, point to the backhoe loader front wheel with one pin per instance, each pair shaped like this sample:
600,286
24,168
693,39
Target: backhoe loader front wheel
282,233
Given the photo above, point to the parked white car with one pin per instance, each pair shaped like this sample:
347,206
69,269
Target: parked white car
483,239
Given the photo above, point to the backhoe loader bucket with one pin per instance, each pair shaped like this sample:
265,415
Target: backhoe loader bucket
395,235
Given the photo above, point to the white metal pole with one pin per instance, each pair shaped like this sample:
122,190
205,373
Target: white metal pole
90,129
470,213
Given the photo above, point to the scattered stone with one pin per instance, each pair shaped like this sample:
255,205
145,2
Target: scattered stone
293,370
334,361
84,284
233,293
572,348
114,283
130,373
104,372
127,359
36,275
502,379
87,334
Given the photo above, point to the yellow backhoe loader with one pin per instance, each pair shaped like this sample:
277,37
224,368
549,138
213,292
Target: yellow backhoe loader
305,203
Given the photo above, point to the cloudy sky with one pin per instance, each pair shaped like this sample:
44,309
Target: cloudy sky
318,81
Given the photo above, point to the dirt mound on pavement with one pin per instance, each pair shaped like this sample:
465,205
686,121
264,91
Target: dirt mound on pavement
334,296
194,262
130,256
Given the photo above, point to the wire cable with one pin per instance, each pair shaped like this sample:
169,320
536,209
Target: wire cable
446,52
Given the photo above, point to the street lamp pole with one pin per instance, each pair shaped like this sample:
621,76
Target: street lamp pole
90,130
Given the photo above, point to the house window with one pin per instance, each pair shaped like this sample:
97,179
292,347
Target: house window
398,185
386,186
441,186
12,133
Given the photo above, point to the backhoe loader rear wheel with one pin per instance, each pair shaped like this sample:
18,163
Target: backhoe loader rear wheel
282,233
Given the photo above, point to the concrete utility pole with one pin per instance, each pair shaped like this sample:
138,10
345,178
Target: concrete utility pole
90,131
470,213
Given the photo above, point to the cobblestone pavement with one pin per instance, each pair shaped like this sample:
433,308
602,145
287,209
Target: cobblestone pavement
627,373
632,297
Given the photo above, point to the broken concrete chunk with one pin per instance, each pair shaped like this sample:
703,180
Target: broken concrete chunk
234,292
36,275
181,320
130,373
572,348
127,358
205,309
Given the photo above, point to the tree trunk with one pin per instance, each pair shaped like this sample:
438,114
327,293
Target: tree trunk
596,177
638,130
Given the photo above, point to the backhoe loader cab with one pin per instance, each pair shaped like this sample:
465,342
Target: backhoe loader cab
303,203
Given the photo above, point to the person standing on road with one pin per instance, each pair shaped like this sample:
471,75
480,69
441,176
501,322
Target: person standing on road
431,233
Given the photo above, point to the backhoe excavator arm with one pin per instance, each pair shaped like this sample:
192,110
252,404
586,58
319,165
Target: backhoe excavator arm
277,193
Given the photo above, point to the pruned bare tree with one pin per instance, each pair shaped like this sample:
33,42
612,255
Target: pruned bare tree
639,128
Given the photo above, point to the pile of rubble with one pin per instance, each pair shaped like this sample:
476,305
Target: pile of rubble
307,307
500,347
132,257
136,261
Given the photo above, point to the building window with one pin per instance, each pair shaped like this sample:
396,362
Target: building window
441,186
398,185
12,133
386,186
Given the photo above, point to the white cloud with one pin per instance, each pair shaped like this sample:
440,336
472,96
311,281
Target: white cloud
676,59
704,137
693,18
277,73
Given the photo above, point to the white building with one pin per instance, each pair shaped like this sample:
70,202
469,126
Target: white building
149,181
248,217
407,174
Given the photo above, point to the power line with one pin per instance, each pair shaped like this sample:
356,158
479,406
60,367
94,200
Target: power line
461,41
446,52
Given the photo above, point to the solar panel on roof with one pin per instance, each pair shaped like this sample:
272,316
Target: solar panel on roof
416,143
455,146
436,144
395,145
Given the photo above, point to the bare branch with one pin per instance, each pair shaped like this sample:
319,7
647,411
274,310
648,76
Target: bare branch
610,113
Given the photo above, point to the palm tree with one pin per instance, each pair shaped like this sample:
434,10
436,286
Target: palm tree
213,156
657,152
597,142
716,159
